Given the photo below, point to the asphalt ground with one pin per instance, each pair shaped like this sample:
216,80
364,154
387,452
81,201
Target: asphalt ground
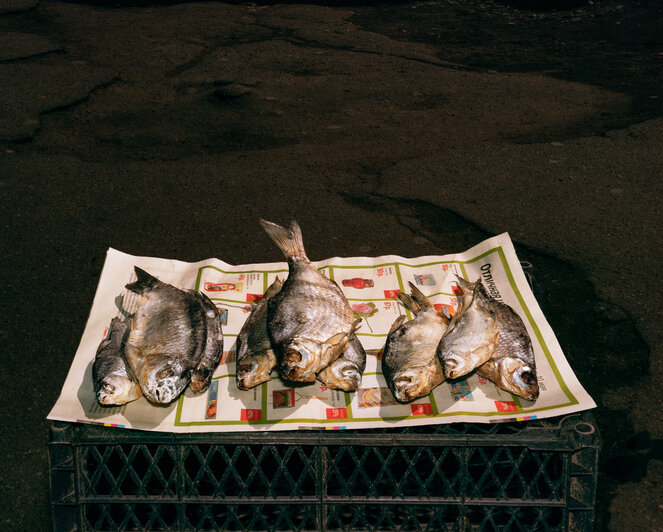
168,129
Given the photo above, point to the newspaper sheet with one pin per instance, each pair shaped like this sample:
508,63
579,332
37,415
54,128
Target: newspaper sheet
370,284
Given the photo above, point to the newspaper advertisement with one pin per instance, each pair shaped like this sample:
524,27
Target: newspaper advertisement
371,285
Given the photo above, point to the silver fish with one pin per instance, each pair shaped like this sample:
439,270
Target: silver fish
346,371
168,337
472,334
114,382
488,335
410,363
255,356
309,321
511,366
202,375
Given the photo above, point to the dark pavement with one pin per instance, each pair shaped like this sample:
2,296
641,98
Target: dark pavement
414,128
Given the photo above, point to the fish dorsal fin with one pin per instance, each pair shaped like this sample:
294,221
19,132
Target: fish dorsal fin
465,286
144,281
340,337
355,325
397,323
336,339
409,302
273,288
418,295
480,297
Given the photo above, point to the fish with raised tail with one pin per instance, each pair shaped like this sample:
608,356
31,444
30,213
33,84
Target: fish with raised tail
173,337
410,363
114,382
346,371
310,322
255,355
472,335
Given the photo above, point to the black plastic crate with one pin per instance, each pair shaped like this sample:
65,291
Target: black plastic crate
533,475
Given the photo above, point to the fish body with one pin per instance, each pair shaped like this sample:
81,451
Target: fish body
511,366
202,374
167,337
114,382
346,371
309,321
255,355
472,335
488,335
410,363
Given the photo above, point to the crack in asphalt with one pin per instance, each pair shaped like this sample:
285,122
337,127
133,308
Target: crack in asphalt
60,108
38,55
311,43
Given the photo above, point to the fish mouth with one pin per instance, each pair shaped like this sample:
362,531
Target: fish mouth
115,392
460,363
457,365
250,374
163,382
343,376
520,380
200,379
297,363
411,385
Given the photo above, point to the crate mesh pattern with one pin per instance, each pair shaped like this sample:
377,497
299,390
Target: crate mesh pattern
536,475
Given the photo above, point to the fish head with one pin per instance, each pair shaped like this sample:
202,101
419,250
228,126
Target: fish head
341,375
117,390
519,378
300,361
255,369
163,378
461,362
410,383
469,341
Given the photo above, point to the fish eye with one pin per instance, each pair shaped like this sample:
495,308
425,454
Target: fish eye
246,368
525,377
528,377
403,380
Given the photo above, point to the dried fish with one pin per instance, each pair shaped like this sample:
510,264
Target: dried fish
168,337
346,371
255,355
410,363
309,321
114,382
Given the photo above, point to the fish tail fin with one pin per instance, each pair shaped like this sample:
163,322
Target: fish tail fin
144,281
397,323
289,241
273,288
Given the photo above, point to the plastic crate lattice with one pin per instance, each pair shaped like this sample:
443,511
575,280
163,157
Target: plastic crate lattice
539,475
